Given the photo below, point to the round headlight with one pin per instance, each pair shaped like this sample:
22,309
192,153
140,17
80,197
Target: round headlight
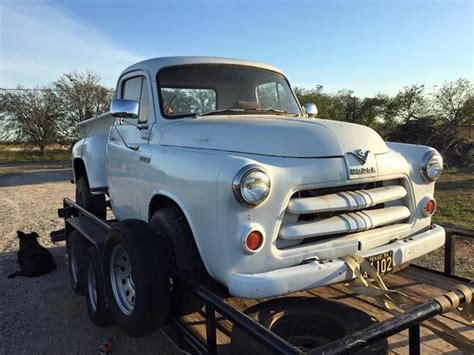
431,165
251,185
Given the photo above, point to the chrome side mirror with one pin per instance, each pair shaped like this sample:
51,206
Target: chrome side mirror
124,108
311,110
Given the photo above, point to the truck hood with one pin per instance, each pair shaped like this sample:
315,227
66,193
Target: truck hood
272,135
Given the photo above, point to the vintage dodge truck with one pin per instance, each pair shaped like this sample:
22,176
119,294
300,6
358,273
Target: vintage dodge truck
245,186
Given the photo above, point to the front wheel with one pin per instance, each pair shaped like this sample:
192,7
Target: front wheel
171,227
137,278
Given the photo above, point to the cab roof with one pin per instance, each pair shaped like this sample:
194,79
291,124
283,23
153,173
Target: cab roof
155,64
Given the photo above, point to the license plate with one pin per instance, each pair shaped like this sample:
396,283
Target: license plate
383,262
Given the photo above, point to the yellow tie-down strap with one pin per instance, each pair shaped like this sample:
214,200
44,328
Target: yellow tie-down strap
397,302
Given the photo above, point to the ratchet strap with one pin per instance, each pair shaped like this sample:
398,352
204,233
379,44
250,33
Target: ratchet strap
397,302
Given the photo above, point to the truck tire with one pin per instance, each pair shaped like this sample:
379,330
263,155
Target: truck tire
95,290
137,279
305,322
77,247
92,203
172,228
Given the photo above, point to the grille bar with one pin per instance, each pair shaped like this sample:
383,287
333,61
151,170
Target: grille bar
344,223
346,200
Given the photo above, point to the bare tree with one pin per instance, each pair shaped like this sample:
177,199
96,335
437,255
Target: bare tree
30,116
454,102
438,124
81,96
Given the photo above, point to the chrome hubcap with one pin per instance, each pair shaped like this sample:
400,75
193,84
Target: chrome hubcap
121,279
92,287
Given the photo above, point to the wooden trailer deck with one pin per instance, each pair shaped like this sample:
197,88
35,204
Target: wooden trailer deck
420,284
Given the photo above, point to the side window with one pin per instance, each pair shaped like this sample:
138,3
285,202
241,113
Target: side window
272,96
137,89
132,89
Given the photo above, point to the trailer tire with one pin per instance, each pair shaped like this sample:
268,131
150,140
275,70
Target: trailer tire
173,229
92,203
306,322
97,308
77,247
137,279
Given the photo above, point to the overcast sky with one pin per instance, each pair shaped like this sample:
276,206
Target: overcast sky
367,45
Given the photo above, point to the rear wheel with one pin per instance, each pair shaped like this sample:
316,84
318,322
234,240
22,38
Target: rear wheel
92,203
95,295
172,228
136,268
306,323
77,247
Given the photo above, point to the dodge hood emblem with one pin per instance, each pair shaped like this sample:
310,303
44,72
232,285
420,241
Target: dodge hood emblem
361,155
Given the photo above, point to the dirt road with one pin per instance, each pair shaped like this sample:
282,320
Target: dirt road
42,315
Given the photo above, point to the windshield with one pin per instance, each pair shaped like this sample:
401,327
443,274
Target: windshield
190,90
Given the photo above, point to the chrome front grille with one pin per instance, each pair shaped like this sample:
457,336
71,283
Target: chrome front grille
315,215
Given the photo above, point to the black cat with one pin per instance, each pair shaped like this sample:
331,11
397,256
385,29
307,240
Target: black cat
34,259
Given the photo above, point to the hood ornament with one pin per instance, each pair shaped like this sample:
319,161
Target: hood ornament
361,155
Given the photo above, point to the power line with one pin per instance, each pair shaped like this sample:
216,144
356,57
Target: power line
37,89
26,89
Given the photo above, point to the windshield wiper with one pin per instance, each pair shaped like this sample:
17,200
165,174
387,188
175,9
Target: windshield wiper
272,111
236,111
226,111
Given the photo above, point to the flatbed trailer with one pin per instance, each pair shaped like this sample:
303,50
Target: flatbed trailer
209,330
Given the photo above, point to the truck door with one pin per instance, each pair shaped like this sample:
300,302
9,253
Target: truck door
123,151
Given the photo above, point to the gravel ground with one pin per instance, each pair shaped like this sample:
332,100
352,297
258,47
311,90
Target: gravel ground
464,258
42,315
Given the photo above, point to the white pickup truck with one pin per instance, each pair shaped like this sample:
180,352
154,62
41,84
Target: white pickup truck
244,185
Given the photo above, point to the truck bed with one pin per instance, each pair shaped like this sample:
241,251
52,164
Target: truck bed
420,284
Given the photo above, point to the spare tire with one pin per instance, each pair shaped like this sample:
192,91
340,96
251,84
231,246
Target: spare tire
305,322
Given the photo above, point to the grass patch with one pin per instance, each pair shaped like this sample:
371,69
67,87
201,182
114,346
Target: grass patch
14,153
454,194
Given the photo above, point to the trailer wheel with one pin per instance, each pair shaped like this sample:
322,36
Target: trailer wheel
95,295
93,203
172,228
77,247
306,323
137,279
